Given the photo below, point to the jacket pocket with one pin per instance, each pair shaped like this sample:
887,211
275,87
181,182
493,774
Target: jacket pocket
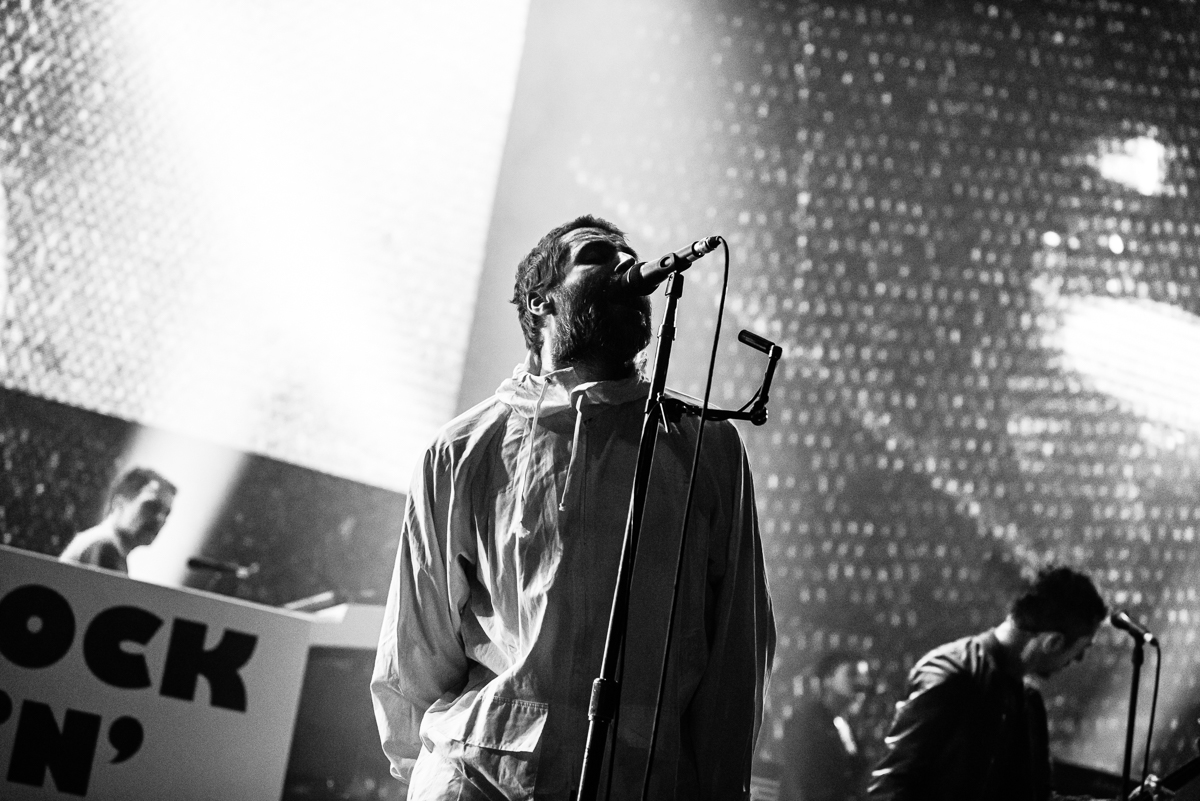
506,724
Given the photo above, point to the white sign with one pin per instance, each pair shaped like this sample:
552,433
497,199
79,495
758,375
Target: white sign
111,688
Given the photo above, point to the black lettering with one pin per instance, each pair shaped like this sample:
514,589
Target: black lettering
126,736
187,660
102,646
36,626
39,746
5,707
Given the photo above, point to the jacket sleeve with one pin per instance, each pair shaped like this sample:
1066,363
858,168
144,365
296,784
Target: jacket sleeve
725,713
421,656
921,730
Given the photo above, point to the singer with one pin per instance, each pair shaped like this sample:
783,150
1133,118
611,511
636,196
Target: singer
973,726
138,507
504,576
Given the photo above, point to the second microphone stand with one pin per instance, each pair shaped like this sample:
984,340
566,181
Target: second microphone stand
1138,656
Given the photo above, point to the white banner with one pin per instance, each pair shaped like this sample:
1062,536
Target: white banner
112,688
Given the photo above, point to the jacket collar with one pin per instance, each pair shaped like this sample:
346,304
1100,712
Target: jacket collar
557,395
547,396
1005,662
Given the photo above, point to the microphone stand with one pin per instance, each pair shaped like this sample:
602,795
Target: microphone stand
1138,657
606,691
661,402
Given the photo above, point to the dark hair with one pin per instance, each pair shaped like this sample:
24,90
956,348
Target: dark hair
828,664
131,482
1062,600
543,268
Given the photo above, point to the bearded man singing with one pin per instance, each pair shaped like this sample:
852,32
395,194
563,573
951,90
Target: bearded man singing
504,575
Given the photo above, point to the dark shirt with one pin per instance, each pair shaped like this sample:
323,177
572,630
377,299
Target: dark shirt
816,765
970,728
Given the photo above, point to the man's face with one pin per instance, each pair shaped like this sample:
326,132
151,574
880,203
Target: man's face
849,684
139,519
594,323
1057,652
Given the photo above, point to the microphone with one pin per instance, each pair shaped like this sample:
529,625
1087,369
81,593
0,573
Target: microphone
217,566
645,276
1122,621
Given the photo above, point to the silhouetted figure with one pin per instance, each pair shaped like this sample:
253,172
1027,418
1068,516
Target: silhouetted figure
820,757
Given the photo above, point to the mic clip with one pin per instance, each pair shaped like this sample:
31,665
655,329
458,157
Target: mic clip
677,404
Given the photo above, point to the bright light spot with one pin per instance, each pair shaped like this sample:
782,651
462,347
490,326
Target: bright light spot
1140,164
340,160
1116,244
1144,353
1051,239
1162,437
1073,242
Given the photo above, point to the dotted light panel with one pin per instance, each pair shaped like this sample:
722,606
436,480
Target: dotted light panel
973,228
219,218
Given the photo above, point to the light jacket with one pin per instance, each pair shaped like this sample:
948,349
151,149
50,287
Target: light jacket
498,606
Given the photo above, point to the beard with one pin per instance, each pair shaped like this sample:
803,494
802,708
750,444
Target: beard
599,327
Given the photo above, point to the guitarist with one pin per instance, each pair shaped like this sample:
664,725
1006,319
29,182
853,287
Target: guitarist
973,725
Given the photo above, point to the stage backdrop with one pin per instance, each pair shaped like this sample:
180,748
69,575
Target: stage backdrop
253,222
